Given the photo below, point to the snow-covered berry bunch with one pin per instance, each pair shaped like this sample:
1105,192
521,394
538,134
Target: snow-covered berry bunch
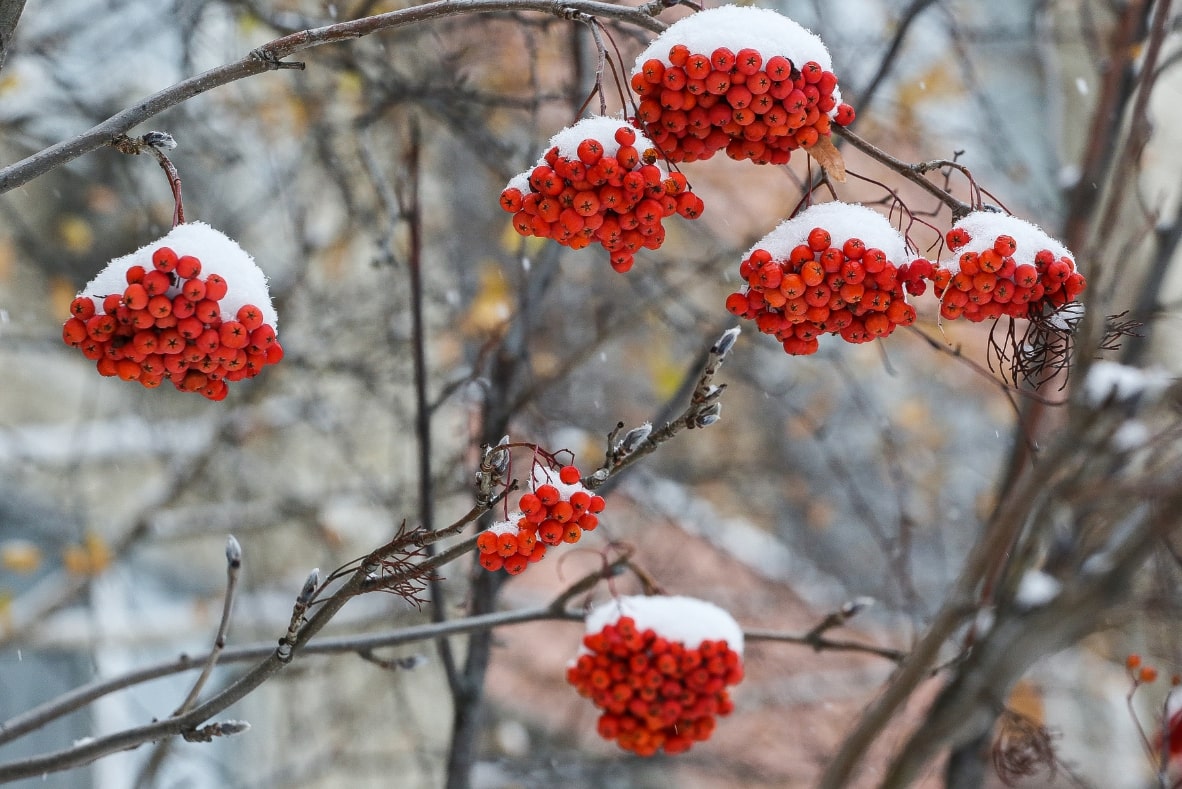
1004,266
599,182
741,78
658,668
831,269
191,308
555,510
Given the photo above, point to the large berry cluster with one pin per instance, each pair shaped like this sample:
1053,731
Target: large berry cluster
166,322
658,668
1004,266
553,512
747,80
832,269
596,184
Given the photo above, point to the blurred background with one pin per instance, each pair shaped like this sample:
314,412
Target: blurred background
861,471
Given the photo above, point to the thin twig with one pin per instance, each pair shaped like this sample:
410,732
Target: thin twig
912,172
233,570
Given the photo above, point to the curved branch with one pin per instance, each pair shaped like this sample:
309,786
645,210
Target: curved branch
912,172
269,57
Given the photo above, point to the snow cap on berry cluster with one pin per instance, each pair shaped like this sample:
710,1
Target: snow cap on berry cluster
508,526
685,620
742,27
218,255
597,127
567,140
984,227
550,476
843,221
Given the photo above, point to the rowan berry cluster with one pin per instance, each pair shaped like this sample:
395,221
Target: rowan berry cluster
554,511
599,182
1005,266
656,691
152,317
145,334
829,270
743,79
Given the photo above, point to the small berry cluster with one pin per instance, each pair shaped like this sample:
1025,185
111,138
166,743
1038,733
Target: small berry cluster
749,100
167,324
1141,673
804,280
599,182
554,512
1005,266
655,692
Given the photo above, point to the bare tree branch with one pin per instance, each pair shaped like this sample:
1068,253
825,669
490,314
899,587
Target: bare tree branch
270,57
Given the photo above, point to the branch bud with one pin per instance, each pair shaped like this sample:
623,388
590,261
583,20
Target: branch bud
634,438
854,607
233,552
159,139
310,587
726,342
708,415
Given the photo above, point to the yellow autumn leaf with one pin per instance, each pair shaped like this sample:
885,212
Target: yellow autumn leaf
61,293
665,372
75,233
492,305
827,155
90,558
20,556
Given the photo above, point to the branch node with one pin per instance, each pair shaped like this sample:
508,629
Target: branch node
223,729
272,61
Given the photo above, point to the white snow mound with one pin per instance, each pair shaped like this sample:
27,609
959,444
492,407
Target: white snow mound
843,221
683,619
218,255
741,27
985,226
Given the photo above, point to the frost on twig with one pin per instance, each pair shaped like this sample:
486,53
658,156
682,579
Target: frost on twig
303,600
223,729
494,467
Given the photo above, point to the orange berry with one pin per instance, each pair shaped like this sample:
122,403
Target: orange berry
164,259
188,267
550,532
507,544
487,542
216,287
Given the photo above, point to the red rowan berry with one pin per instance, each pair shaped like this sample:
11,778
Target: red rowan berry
957,238
82,307
164,259
207,310
188,267
74,332
134,274
216,287
194,290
